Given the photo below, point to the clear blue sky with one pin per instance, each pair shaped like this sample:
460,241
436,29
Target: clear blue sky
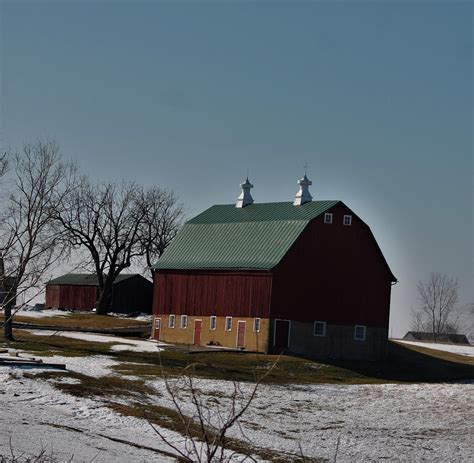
375,96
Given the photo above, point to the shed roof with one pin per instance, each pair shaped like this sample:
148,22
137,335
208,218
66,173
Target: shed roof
226,237
447,337
86,279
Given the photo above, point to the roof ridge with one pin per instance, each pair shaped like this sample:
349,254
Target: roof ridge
253,237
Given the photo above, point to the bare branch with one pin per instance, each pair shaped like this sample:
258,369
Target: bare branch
205,425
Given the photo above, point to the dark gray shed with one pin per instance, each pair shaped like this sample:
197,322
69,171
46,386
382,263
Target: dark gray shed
79,291
451,338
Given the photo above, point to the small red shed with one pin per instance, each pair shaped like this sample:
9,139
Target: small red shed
79,291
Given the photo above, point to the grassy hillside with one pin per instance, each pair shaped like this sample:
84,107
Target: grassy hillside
411,364
80,320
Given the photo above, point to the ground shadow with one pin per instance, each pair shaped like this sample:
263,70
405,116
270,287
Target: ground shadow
412,363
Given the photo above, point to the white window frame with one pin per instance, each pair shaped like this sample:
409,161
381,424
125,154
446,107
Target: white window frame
171,320
226,321
324,328
184,322
157,323
349,219
364,328
255,329
212,318
328,217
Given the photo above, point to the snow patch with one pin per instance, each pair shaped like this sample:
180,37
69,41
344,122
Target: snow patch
461,349
121,343
27,312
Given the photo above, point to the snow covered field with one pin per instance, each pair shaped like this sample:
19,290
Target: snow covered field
460,349
37,416
404,422
373,422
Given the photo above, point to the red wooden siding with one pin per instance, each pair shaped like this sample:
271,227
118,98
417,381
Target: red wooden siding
71,297
244,294
333,273
52,296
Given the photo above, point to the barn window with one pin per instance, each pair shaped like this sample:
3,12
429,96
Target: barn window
213,322
359,332
328,217
228,323
184,321
347,220
157,323
319,329
171,321
256,325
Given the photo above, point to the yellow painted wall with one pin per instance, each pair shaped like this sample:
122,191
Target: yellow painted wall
253,341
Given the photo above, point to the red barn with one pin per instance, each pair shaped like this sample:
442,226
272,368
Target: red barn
305,277
79,291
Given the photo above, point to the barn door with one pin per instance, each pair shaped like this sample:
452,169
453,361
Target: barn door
282,334
197,332
241,333
157,329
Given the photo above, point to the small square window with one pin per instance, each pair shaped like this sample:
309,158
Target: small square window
213,323
184,321
359,332
171,321
256,325
228,323
328,217
347,220
319,329
157,323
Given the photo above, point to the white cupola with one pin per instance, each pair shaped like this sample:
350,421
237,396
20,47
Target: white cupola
303,195
245,198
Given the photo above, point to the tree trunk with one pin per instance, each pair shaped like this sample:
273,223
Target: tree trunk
105,298
8,325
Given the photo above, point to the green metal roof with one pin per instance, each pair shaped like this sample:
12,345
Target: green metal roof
226,237
85,279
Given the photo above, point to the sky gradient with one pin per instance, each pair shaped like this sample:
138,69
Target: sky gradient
375,96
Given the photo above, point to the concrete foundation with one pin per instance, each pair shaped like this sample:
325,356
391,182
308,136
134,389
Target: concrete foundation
337,343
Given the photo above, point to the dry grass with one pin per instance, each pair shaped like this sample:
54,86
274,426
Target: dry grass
47,346
169,419
137,400
80,320
105,386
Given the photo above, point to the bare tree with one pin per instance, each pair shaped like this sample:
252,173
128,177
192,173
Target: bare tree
117,225
29,243
438,312
205,423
